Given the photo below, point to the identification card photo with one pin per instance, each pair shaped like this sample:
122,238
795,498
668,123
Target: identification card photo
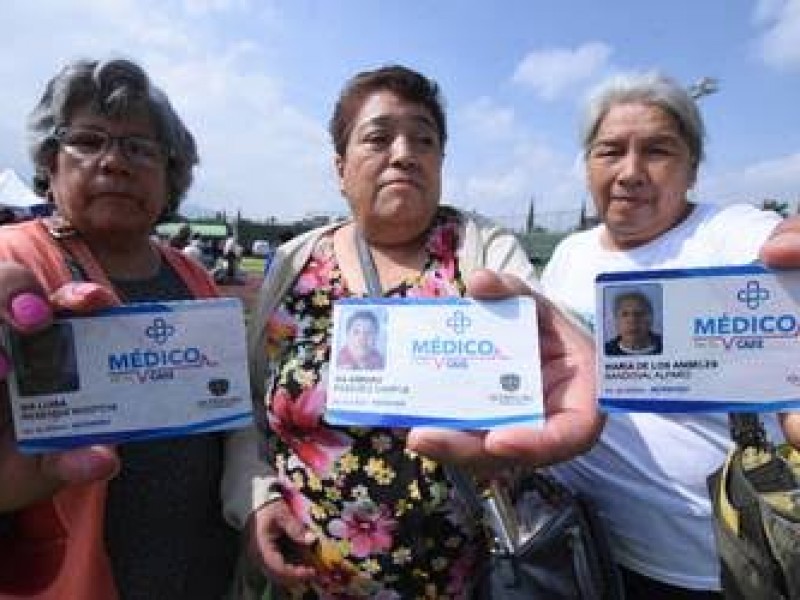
130,373
720,339
445,362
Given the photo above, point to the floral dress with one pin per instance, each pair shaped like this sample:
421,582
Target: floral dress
388,524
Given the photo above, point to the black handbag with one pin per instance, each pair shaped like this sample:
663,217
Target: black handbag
756,500
547,542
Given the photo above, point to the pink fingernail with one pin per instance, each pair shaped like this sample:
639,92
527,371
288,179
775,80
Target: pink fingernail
29,309
81,288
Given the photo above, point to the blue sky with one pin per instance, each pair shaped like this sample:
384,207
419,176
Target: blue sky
256,81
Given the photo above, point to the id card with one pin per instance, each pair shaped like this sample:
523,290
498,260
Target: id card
131,373
691,340
447,362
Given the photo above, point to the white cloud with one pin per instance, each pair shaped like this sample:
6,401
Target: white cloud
779,42
551,72
777,178
264,154
203,7
93,26
258,152
487,119
765,10
503,166
503,186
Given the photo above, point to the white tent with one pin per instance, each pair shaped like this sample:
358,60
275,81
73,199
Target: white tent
15,194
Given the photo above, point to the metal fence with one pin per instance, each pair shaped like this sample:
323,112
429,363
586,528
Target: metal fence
560,221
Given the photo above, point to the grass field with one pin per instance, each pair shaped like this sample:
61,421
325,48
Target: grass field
252,264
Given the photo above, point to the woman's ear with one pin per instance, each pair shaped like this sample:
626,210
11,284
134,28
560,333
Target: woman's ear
693,173
43,180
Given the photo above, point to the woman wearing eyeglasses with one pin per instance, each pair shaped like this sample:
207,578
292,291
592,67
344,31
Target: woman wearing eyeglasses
141,520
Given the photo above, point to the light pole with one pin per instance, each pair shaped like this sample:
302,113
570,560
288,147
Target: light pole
703,87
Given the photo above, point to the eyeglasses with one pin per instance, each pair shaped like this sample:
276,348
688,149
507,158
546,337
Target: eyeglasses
90,144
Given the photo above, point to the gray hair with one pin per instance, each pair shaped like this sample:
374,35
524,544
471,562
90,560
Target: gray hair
117,89
648,88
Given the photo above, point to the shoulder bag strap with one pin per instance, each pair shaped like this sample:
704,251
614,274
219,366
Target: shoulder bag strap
485,505
762,465
370,273
747,430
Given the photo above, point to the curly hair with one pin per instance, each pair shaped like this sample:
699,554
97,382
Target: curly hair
117,89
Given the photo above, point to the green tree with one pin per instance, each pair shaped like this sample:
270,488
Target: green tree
530,222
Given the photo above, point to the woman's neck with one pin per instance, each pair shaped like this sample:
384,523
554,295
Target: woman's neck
126,258
394,262
410,255
617,242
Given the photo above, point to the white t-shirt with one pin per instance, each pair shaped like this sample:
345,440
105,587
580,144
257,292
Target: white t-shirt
647,474
194,251
231,248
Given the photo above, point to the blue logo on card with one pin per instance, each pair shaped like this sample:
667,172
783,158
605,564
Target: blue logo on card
459,322
455,352
159,331
745,331
510,382
150,363
752,295
219,387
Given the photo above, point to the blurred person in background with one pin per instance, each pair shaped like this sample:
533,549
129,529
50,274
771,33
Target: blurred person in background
194,249
180,239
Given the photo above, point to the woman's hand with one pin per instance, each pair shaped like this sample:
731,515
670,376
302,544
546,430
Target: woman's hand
782,251
277,541
25,479
572,422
